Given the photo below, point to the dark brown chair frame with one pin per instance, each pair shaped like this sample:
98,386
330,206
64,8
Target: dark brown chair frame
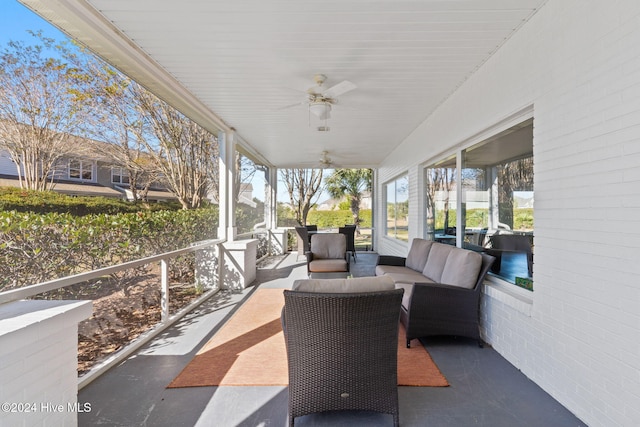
342,352
438,309
303,240
350,234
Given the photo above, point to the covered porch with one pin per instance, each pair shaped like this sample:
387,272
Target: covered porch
441,86
485,389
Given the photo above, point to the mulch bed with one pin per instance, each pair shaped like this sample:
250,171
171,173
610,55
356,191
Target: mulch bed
124,307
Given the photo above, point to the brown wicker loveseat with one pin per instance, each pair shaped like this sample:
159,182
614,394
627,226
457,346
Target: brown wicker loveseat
442,287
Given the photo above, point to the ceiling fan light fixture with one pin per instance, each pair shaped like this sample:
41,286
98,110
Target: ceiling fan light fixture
321,109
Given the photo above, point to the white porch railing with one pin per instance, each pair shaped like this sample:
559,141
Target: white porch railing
208,270
270,241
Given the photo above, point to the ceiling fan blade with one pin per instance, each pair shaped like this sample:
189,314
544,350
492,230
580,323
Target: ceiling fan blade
339,89
291,105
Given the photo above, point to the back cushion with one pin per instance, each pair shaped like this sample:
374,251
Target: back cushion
462,268
360,284
328,245
417,257
436,261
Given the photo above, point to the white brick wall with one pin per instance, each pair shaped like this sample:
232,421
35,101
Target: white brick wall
577,64
38,362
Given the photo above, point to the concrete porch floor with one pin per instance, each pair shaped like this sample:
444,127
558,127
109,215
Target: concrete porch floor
485,389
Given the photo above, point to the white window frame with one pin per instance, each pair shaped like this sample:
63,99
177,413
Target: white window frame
85,166
122,173
387,233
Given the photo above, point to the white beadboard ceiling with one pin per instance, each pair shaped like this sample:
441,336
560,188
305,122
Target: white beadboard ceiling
237,63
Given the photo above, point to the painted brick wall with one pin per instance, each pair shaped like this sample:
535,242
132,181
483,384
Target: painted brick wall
577,64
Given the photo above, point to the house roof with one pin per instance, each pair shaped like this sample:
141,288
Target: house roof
85,189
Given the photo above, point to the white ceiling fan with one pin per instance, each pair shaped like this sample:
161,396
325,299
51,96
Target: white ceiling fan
320,98
325,160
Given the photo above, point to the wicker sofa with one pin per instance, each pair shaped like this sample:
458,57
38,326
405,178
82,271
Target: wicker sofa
442,287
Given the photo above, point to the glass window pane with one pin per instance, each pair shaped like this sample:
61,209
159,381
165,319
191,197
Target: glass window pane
441,200
398,209
250,194
87,173
74,169
391,209
402,209
497,200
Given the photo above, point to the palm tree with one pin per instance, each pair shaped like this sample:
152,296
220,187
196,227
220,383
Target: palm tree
350,183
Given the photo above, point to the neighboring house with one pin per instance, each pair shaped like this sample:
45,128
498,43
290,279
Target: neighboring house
93,172
84,175
245,197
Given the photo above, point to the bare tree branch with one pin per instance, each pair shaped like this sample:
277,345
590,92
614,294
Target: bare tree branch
302,185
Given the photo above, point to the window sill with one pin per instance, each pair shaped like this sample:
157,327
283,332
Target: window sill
509,294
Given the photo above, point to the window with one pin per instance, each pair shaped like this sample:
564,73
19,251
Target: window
249,194
119,175
441,201
81,170
398,209
493,198
497,200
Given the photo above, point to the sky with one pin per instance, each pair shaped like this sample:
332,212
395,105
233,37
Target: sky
16,20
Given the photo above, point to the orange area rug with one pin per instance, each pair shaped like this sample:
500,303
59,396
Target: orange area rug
249,350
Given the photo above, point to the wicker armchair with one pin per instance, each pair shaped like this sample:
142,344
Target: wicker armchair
342,351
327,255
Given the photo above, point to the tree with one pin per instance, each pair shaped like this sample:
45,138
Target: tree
350,183
443,180
513,176
42,94
184,153
245,171
116,118
302,185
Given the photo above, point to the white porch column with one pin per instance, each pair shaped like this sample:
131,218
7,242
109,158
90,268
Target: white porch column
226,203
278,237
271,198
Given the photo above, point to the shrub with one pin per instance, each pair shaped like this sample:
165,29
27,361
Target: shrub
44,202
335,219
39,247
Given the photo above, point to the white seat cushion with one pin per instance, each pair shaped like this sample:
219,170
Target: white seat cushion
360,284
328,245
328,265
462,268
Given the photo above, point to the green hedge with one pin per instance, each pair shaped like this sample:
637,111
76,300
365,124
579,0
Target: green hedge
324,219
49,201
40,247
338,218
477,218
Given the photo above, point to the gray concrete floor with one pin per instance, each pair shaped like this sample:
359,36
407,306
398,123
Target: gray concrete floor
485,389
